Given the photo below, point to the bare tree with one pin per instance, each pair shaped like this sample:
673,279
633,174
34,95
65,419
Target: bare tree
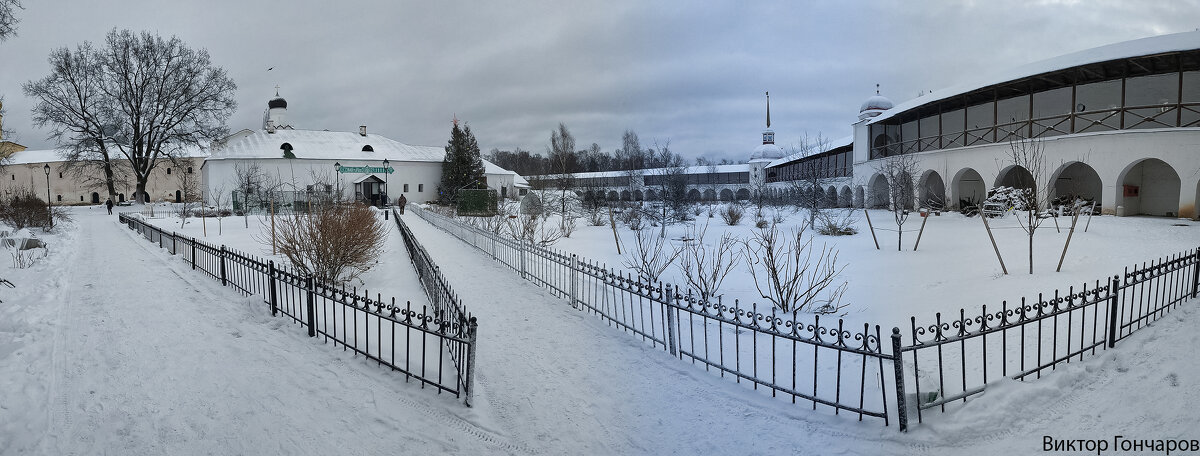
140,98
218,199
8,18
809,179
790,273
189,189
1030,154
650,256
250,179
705,267
900,171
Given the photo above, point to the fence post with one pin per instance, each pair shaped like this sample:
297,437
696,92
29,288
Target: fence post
271,276
312,309
898,363
492,236
574,276
224,281
1113,287
193,254
174,236
472,340
1196,274
669,309
523,249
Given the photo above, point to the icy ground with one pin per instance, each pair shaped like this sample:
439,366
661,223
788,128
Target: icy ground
111,346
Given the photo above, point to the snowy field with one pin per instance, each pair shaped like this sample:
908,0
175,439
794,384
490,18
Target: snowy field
954,267
111,346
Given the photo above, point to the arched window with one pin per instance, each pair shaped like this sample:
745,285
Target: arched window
287,150
368,148
168,170
189,170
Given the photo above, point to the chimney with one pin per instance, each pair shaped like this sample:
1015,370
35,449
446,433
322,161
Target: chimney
362,130
270,125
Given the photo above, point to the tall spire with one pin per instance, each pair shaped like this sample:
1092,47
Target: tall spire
768,109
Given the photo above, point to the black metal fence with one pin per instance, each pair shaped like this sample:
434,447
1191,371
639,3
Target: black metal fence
433,346
850,369
816,363
951,359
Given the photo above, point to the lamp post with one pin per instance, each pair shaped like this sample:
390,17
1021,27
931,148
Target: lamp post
337,174
385,181
49,214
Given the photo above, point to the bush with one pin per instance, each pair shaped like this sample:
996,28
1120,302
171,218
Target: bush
836,223
760,223
27,210
732,214
334,242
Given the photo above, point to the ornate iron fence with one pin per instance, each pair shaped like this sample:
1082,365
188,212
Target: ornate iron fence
851,370
433,346
952,359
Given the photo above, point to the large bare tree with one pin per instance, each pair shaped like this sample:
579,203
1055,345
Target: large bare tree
140,98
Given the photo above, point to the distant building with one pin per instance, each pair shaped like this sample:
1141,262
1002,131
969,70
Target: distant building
1120,126
26,171
352,164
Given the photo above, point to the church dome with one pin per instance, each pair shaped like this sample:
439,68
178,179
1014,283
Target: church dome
769,152
874,106
277,102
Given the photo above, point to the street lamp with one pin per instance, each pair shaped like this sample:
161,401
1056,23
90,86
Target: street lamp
385,181
337,174
49,214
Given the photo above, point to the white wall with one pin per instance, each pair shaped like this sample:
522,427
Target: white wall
1111,154
422,178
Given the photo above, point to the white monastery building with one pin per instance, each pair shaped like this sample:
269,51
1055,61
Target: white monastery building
358,165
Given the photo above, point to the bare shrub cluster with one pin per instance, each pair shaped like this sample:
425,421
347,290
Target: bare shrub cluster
732,214
793,275
335,242
705,267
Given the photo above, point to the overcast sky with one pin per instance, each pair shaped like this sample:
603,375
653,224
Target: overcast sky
691,73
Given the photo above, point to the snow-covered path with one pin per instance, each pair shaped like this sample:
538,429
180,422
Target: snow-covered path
128,351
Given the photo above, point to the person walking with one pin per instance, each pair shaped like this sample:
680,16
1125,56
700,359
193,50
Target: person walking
401,201
109,205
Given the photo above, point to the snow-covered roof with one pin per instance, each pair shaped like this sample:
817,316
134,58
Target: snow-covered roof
323,145
840,142
1126,49
737,168
26,157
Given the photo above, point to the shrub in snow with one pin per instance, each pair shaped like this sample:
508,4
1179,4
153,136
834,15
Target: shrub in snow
732,214
649,256
531,205
790,273
705,267
334,242
760,223
837,223
25,209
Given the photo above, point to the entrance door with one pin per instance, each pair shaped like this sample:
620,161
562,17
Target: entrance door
95,198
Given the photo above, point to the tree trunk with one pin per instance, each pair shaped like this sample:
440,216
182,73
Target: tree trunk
108,181
141,190
899,238
1031,251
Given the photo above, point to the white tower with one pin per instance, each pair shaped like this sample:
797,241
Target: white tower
766,153
276,115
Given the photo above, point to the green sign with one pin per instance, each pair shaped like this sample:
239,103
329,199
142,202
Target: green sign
365,169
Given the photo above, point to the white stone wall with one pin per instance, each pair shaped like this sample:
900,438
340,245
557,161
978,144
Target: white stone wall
1118,157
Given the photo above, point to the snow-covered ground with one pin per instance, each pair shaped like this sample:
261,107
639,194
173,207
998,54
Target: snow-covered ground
954,267
110,345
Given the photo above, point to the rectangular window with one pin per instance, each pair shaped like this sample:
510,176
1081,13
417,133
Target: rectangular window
1056,102
1191,87
405,188
930,132
1097,105
60,197
420,188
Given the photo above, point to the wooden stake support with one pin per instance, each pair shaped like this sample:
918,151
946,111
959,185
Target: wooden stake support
994,247
872,228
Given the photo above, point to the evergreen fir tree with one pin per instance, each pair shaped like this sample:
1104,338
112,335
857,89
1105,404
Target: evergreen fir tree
463,165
